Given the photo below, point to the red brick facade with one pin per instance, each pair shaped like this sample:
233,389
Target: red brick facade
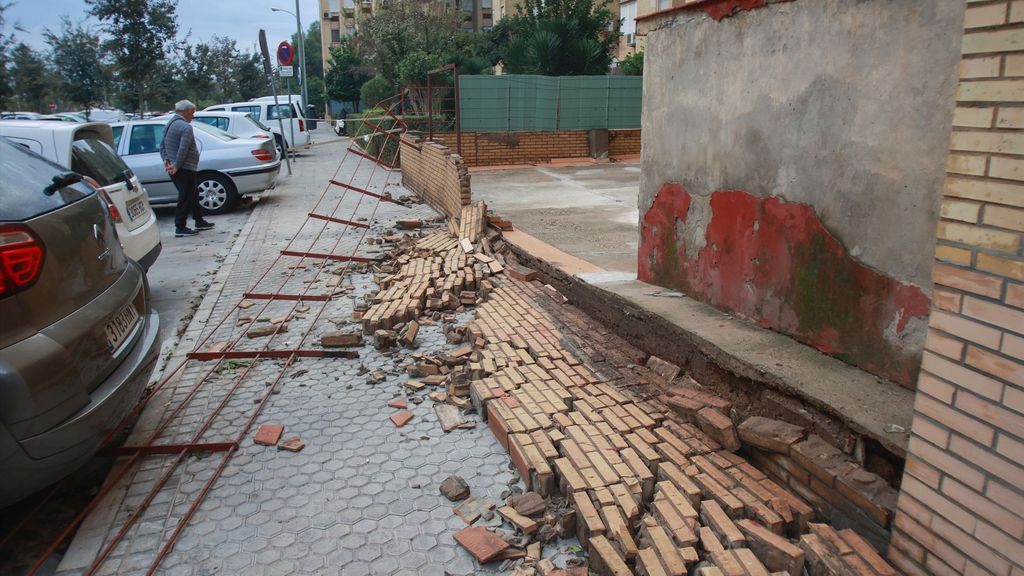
961,509
500,148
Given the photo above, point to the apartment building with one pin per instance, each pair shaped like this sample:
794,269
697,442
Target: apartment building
341,18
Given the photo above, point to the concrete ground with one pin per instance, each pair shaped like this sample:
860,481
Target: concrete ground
588,211
361,497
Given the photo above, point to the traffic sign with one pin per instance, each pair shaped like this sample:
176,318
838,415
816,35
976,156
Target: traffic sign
285,54
286,71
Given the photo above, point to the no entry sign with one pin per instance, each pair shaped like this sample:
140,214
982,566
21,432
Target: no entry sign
285,54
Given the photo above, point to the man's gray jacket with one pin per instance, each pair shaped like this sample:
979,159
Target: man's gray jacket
179,144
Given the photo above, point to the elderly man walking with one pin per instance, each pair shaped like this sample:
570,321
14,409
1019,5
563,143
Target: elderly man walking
181,160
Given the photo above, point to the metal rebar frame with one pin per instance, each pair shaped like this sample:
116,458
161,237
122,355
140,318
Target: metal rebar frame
150,446
443,109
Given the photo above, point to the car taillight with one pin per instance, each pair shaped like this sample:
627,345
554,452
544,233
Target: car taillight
21,259
262,136
263,155
302,125
115,214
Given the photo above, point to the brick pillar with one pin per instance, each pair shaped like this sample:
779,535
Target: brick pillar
961,509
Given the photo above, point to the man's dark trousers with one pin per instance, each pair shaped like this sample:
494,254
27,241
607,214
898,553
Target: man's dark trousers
186,181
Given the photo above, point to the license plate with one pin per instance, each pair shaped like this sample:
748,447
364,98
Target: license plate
121,326
136,208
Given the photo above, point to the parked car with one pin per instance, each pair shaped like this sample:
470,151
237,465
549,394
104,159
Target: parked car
229,167
79,336
295,135
240,124
88,149
20,116
62,117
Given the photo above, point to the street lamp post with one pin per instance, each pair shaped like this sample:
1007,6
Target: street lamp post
302,53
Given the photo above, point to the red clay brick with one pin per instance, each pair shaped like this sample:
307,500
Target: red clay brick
401,418
962,376
269,434
966,329
399,403
1011,319
997,366
967,280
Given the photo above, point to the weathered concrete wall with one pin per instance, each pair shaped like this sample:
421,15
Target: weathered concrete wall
792,166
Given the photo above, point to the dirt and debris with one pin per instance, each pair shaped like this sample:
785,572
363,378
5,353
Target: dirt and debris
454,488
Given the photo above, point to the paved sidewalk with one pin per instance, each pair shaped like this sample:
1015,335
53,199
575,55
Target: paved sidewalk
362,497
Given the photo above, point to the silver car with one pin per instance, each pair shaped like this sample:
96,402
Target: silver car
229,167
79,336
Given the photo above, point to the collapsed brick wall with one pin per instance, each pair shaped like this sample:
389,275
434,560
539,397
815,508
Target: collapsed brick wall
436,173
961,509
498,148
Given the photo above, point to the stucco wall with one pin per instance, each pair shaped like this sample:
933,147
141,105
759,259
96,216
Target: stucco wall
793,156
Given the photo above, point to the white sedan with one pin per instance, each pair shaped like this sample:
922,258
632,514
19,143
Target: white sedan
229,167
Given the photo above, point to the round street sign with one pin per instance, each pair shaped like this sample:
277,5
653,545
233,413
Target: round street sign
285,54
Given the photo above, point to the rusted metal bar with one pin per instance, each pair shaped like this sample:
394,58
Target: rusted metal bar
146,450
337,257
367,192
252,354
368,157
339,220
291,297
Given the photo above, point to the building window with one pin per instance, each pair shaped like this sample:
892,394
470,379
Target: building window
627,15
486,4
335,35
334,5
664,4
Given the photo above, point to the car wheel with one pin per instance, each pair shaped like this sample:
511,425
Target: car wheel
217,194
279,144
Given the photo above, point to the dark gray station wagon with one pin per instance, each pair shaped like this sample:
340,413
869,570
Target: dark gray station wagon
78,338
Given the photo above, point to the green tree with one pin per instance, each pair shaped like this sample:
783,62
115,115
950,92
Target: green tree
140,34
633,65
402,27
6,43
561,38
376,89
252,82
75,51
347,73
30,79
312,45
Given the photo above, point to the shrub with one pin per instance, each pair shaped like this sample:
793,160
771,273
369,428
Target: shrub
376,89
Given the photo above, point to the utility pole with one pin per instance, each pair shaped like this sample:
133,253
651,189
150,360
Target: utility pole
302,59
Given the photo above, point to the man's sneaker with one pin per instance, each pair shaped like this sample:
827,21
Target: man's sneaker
204,225
179,232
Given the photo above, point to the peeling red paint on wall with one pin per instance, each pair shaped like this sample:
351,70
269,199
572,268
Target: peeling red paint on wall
716,9
775,262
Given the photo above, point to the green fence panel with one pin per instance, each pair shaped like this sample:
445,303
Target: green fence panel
519,102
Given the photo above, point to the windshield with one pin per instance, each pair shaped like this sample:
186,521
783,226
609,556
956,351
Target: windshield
215,132
94,158
23,177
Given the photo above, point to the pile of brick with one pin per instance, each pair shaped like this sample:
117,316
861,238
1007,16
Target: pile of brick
654,487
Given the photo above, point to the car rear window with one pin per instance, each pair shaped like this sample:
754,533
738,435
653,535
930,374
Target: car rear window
23,177
94,158
215,132
281,110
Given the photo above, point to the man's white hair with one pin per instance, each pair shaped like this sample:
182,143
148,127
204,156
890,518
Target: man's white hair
183,105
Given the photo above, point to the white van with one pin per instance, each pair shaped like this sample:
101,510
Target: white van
88,149
265,112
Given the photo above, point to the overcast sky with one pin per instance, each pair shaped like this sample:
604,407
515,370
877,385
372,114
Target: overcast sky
238,19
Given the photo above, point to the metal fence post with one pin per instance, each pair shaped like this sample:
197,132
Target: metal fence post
458,125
